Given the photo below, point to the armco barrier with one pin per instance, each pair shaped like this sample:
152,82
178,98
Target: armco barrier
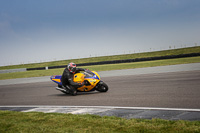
122,61
38,68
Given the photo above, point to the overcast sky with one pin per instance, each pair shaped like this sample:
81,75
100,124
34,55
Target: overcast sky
45,30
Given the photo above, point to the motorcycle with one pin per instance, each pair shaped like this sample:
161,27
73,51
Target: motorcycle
91,81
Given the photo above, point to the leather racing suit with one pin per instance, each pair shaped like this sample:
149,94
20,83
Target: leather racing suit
67,78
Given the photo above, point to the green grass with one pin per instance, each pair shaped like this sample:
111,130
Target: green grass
50,72
108,58
34,122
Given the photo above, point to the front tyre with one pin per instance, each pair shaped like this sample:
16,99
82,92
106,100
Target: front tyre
102,87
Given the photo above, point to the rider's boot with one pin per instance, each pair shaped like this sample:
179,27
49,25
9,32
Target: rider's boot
72,90
66,88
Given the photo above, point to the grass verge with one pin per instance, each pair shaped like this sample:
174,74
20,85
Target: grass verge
109,58
50,72
13,122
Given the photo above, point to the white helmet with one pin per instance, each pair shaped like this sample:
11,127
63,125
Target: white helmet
72,67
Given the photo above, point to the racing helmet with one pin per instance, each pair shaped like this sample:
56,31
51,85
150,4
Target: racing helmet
72,67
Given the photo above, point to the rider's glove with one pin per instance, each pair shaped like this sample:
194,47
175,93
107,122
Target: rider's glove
81,84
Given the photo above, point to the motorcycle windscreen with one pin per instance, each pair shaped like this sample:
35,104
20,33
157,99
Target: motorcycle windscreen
92,75
56,79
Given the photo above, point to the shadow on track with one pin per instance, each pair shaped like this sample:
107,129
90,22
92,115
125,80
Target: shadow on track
78,94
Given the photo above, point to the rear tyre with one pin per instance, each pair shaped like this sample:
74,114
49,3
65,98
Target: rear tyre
103,87
60,86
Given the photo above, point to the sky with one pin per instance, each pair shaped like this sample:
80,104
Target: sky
33,31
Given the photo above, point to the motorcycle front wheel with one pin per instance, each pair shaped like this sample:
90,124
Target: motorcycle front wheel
102,87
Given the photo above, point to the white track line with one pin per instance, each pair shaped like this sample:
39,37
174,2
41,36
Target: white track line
105,107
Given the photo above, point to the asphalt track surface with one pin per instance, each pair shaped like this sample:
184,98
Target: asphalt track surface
178,89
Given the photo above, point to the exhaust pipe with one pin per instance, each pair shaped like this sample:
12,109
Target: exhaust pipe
61,89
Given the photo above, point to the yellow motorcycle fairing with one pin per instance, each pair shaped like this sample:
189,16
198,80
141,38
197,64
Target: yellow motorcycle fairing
92,78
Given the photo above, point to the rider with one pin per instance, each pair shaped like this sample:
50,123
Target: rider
67,78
